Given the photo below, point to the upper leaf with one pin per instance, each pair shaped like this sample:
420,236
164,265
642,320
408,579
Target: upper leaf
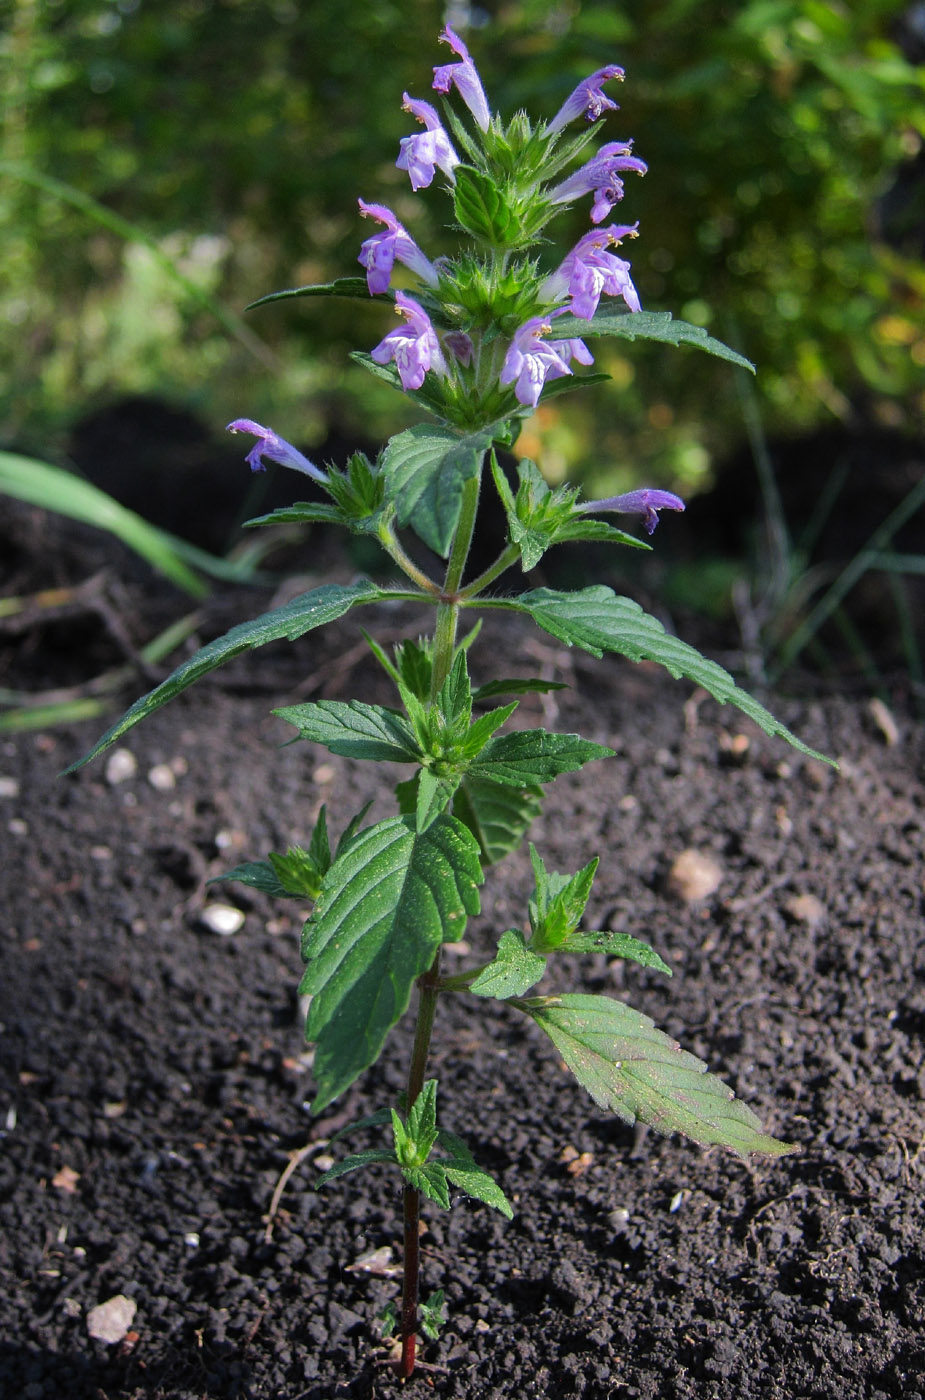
497,815
530,756
649,325
385,905
426,468
481,208
340,287
596,620
355,730
514,971
302,614
639,1072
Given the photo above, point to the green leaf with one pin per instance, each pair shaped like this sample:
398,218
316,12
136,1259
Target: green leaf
353,729
433,1315
422,1120
431,1181
628,1066
302,614
596,620
472,1181
515,686
455,699
497,815
480,206
433,796
385,906
615,945
301,513
257,875
648,325
371,1158
426,469
531,756
340,287
583,527
514,971
558,903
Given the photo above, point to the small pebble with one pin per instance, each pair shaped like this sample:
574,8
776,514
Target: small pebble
694,876
323,1162
324,773
162,777
17,827
806,909
110,1321
223,919
9,787
120,766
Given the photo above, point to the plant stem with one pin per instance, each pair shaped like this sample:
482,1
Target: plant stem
504,561
448,608
407,565
428,991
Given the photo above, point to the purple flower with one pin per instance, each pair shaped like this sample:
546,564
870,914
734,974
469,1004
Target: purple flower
530,360
587,98
646,502
465,77
600,175
414,347
379,252
275,448
589,270
421,154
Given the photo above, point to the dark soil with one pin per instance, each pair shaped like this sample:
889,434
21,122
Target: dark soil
154,1079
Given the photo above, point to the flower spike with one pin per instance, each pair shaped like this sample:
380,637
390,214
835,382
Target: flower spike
587,98
275,448
466,78
414,347
379,252
423,153
646,502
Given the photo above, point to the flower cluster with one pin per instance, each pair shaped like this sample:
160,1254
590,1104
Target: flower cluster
588,272
489,355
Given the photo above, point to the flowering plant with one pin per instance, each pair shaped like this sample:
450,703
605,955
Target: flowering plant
483,335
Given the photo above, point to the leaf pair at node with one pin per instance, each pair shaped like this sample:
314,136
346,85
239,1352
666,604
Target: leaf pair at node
414,1140
359,501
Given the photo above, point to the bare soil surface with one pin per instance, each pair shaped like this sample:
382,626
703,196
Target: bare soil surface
153,1078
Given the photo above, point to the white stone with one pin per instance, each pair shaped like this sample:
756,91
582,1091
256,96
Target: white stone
120,766
110,1321
223,919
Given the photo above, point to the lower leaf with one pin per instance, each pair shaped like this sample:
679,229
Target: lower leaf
633,1069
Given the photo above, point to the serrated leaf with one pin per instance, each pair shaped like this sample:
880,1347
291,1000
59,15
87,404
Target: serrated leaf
422,1117
628,1066
531,756
433,1315
649,325
615,945
497,815
479,1185
298,871
515,686
596,620
431,1181
433,796
480,206
353,729
455,699
514,971
426,469
257,875
385,906
582,527
301,513
558,903
341,287
371,1158
479,733
301,615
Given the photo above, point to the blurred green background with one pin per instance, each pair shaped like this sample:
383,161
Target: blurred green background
163,164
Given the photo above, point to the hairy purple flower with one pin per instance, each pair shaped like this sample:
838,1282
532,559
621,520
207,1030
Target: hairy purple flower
464,75
587,98
600,175
646,502
414,347
420,155
589,270
379,252
275,448
531,360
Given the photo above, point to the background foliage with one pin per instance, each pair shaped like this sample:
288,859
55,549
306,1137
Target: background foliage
783,208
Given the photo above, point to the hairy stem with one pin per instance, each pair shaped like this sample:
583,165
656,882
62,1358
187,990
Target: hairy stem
448,608
407,565
428,991
504,561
